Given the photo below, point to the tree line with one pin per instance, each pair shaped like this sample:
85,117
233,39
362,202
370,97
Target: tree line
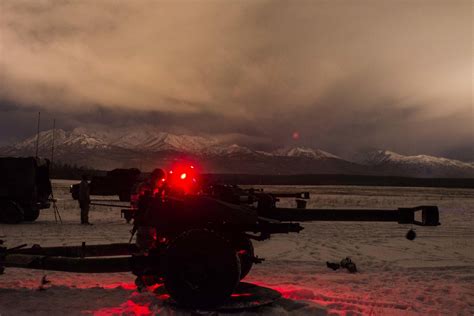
60,170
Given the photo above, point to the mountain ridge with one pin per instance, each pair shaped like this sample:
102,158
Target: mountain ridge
415,165
148,148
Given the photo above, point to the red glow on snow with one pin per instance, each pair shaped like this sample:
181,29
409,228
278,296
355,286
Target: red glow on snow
296,293
164,297
125,286
127,308
241,294
154,287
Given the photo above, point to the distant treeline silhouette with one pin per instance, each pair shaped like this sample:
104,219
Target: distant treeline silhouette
339,179
59,170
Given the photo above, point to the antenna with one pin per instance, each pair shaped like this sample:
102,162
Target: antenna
57,216
37,133
52,143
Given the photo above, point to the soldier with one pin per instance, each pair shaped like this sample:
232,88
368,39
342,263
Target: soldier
151,188
84,200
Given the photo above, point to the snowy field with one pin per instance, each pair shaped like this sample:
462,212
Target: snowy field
433,275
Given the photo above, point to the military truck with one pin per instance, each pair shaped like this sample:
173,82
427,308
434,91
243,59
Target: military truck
25,188
115,182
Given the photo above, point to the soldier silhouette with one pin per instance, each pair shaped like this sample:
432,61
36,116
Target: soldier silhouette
84,200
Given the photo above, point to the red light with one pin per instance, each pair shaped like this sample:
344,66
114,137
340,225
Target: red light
182,177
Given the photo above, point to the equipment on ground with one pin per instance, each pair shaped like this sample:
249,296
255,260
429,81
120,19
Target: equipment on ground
25,188
198,242
345,263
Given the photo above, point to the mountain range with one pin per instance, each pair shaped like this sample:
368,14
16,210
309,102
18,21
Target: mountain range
148,148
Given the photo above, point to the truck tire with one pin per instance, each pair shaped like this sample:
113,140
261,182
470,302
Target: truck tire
74,190
31,214
201,270
11,212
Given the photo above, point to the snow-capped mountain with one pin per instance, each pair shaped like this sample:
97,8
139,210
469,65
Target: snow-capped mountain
226,150
71,147
304,152
151,140
389,162
147,148
61,139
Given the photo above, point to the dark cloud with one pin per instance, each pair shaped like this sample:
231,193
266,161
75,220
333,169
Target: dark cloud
346,75
17,122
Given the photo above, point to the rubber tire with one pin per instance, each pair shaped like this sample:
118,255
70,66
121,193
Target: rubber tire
201,270
31,214
11,213
246,254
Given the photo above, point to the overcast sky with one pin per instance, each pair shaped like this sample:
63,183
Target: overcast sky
346,75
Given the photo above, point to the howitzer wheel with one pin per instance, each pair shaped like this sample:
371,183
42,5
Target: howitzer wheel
246,255
11,212
202,269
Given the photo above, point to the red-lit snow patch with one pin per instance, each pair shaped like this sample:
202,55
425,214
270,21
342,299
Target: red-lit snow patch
125,286
127,308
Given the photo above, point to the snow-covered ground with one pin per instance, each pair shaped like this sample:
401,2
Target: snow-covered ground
433,275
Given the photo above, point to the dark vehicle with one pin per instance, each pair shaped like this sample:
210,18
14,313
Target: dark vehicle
198,242
115,182
25,188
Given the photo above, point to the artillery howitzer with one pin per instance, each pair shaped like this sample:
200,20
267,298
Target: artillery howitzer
198,244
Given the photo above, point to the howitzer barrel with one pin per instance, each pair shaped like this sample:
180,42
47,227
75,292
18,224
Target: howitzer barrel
109,205
430,215
298,195
278,228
